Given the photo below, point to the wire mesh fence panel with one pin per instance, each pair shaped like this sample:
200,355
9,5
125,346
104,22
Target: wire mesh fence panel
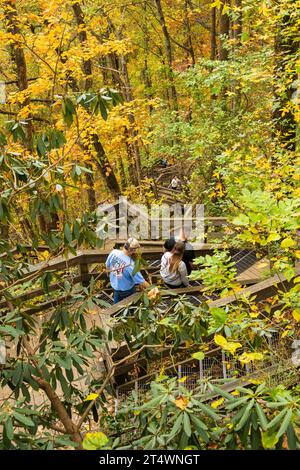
194,300
154,263
190,376
243,260
212,368
274,341
106,297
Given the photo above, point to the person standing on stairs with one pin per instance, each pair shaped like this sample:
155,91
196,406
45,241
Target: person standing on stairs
173,270
175,184
189,253
120,264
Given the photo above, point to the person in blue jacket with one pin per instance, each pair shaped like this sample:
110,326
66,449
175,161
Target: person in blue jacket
120,264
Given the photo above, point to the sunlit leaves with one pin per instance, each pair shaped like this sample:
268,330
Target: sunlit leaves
246,358
227,345
94,441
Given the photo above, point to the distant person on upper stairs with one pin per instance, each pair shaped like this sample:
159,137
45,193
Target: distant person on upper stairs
164,162
175,184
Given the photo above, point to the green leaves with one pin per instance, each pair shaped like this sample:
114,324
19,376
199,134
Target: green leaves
245,415
3,140
187,424
265,221
96,103
217,272
16,129
9,429
21,418
49,140
68,233
68,111
46,280
78,170
269,439
261,416
242,220
278,419
4,211
285,423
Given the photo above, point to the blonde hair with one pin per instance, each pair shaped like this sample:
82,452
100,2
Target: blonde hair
176,256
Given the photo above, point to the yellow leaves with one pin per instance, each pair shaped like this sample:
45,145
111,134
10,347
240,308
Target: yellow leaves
181,402
91,397
286,331
182,380
296,192
287,243
94,440
226,345
44,255
24,113
215,404
255,381
254,311
216,4
246,358
285,110
91,312
263,8
273,237
296,315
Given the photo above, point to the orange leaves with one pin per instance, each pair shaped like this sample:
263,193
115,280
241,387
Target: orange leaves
181,402
153,294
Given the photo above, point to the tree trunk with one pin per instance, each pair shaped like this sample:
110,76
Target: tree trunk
91,188
11,18
62,414
187,27
105,167
87,64
122,175
145,73
134,135
224,31
121,77
238,23
213,35
55,401
237,32
102,162
286,46
168,51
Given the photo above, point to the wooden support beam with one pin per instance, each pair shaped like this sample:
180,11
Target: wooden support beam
84,271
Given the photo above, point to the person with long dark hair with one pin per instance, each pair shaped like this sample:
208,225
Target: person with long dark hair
173,270
189,253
